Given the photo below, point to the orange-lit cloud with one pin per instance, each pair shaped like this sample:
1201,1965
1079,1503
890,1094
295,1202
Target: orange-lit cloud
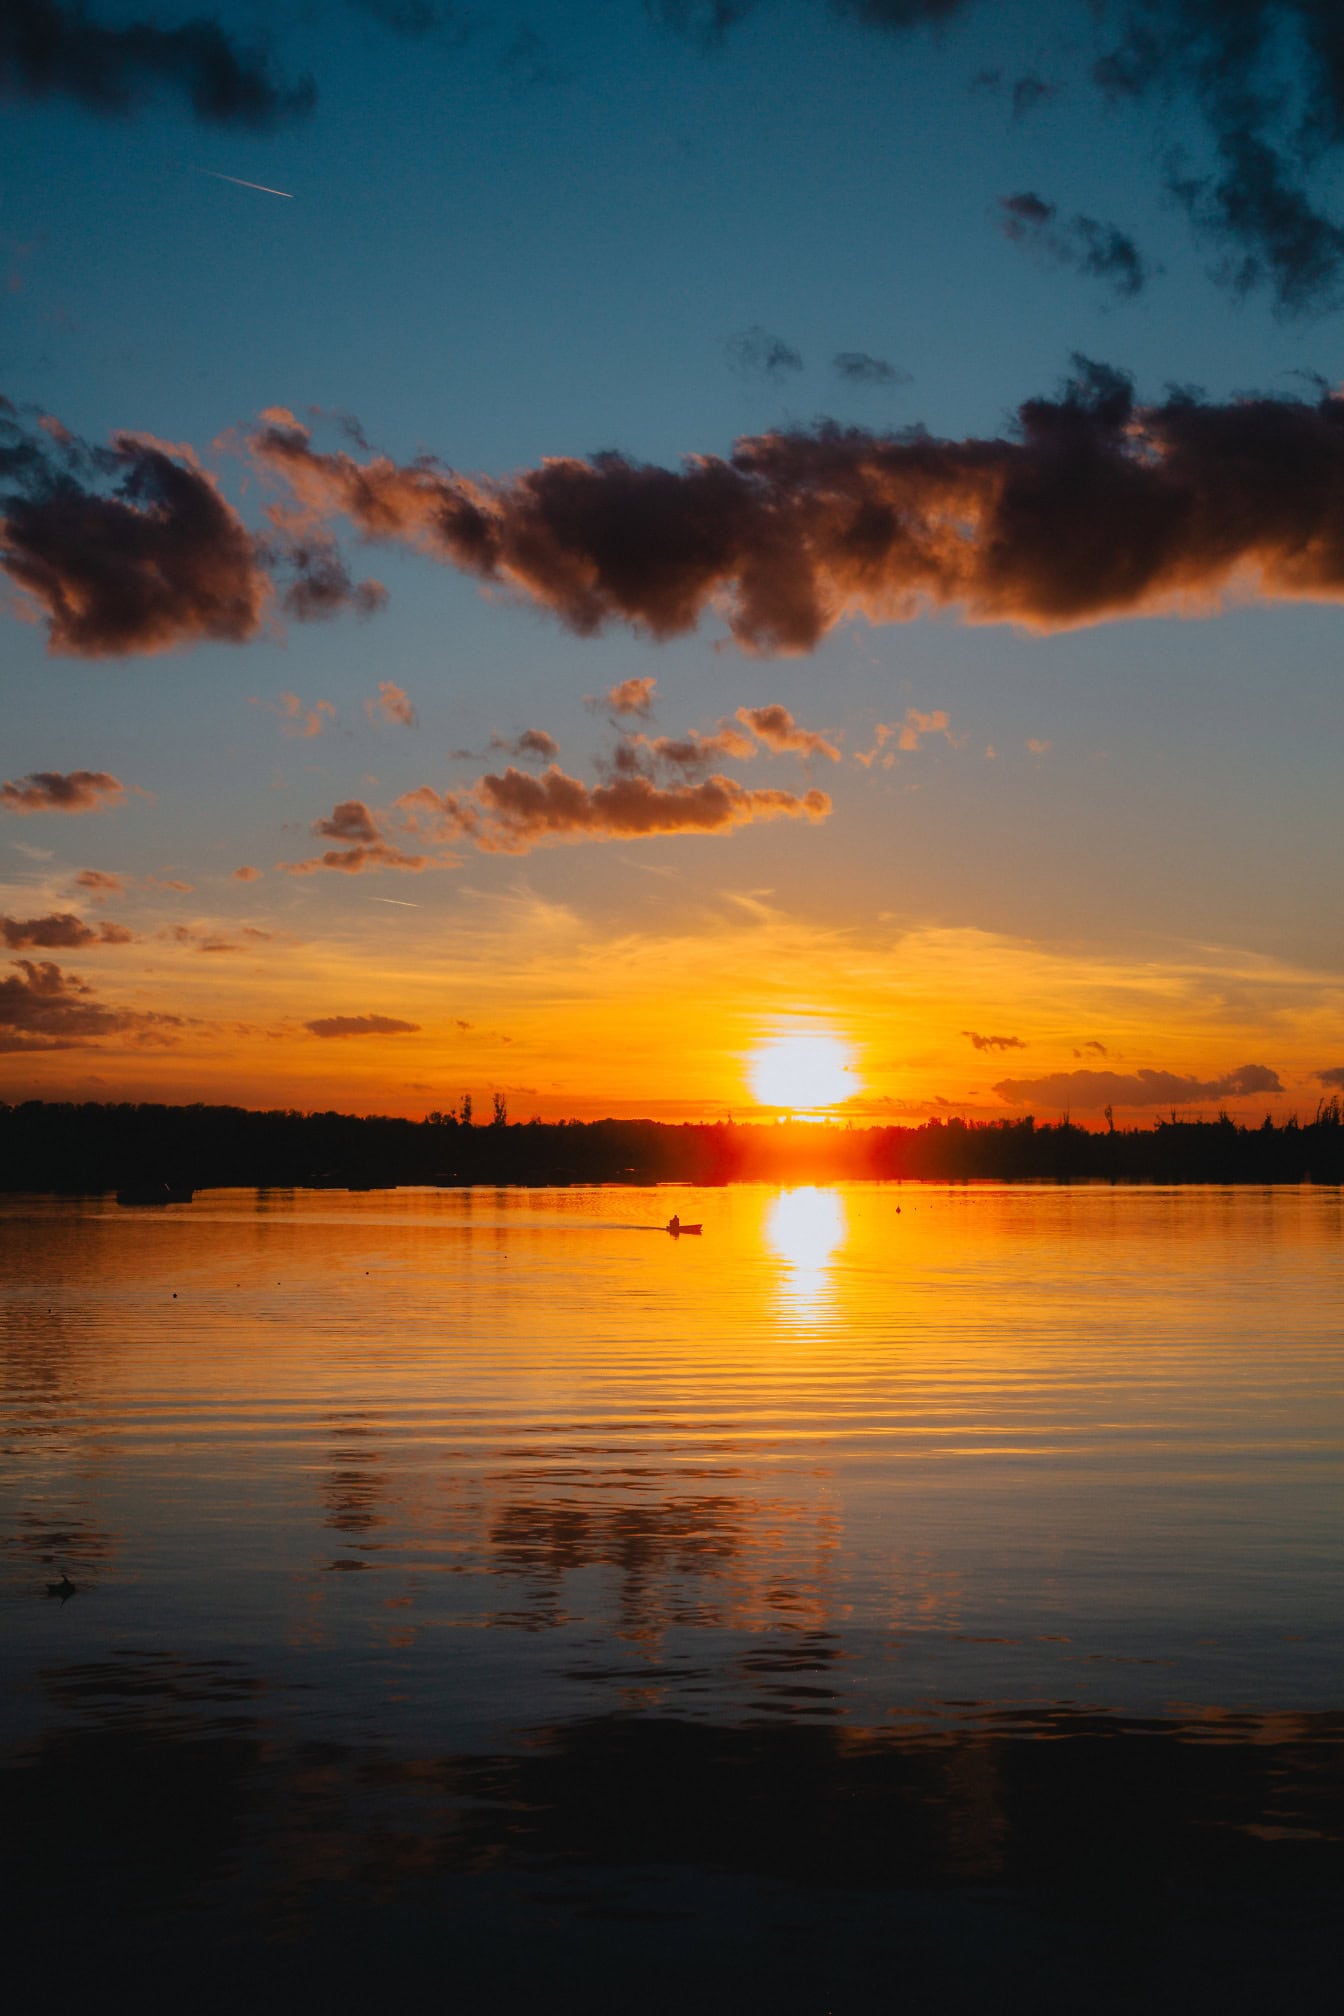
532,742
778,730
513,812
361,1025
246,874
1097,506
295,718
44,1008
393,704
100,883
349,821
57,791
61,931
629,696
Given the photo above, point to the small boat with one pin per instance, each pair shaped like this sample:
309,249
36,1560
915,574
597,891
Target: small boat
676,1228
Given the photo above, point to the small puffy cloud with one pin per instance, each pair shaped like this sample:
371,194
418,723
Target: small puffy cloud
246,874
980,1042
1092,1090
532,742
778,730
1084,244
295,718
1039,746
361,1025
630,696
755,353
248,937
351,820
906,735
393,704
99,883
856,367
692,755
360,859
57,791
61,931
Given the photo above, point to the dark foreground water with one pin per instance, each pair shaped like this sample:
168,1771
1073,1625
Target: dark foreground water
921,1598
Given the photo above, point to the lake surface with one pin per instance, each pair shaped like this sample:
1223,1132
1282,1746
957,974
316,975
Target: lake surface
897,1596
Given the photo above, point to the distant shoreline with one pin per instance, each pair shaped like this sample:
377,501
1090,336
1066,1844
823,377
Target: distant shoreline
60,1149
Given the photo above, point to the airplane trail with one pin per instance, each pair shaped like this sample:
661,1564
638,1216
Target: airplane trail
239,183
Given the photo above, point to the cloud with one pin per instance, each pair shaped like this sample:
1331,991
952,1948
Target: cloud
247,874
512,813
201,940
778,730
58,791
364,849
127,548
691,755
51,50
1039,746
1278,238
907,735
1100,251
856,367
361,1025
1333,1076
61,931
1095,507
349,821
1091,1090
993,1042
173,882
532,742
392,704
630,696
755,353
43,1008
294,718
99,883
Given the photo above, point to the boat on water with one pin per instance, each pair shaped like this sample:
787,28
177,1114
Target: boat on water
676,1228
155,1193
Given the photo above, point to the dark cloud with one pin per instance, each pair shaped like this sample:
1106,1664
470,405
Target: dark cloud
62,791
1269,78
685,756
1093,1090
361,1025
755,353
993,1042
1095,506
899,14
43,1008
704,22
414,18
532,742
512,813
349,821
128,548
1029,91
1333,1076
49,50
99,883
61,931
1101,251
856,367
1275,235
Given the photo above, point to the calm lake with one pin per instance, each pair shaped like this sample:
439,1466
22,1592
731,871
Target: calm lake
894,1597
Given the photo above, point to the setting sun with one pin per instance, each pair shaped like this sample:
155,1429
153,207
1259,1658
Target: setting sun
802,1072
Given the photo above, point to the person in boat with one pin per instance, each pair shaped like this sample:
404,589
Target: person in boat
674,1223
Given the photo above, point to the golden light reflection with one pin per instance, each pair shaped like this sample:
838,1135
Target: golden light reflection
802,1073
806,1228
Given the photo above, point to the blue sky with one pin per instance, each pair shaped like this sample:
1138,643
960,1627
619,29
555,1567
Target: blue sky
557,230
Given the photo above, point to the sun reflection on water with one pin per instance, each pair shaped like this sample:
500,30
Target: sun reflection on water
806,1227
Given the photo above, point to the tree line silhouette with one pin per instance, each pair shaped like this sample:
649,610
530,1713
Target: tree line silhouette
88,1149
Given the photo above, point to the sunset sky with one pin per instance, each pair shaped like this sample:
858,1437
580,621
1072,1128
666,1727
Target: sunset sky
555,550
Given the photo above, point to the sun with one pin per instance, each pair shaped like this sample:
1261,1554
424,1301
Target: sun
802,1073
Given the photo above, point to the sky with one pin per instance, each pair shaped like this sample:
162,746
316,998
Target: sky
598,554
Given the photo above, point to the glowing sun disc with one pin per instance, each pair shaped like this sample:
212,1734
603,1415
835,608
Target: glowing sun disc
801,1072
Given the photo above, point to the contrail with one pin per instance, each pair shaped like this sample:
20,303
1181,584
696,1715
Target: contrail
398,900
239,183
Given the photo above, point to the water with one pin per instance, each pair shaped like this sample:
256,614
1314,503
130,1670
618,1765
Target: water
923,1593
